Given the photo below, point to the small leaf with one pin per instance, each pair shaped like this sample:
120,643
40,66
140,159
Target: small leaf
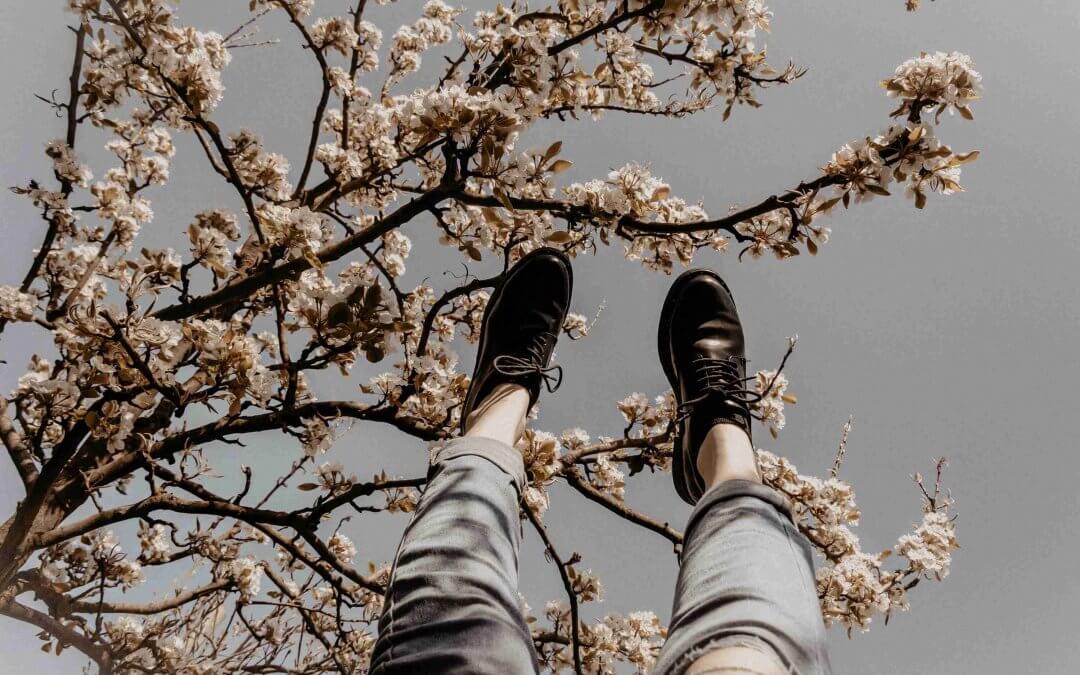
826,205
472,252
790,398
635,464
662,192
372,298
966,113
307,487
878,190
552,150
966,157
338,314
811,246
504,200
560,165
559,237
920,199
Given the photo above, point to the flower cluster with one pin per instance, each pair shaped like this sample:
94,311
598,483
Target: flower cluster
910,154
948,81
772,386
342,548
246,573
66,165
633,638
410,41
97,559
154,541
541,451
853,586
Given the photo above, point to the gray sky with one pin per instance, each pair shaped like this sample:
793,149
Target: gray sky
946,331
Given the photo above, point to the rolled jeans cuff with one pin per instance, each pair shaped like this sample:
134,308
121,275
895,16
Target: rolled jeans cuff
746,579
504,456
732,489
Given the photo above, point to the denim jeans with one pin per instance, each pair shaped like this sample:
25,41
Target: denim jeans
745,577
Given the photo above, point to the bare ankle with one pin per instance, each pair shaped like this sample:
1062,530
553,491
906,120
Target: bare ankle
736,661
500,415
727,454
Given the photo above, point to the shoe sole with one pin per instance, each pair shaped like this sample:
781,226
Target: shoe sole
663,344
481,350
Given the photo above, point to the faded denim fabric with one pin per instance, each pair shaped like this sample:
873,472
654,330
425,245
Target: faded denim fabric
452,604
746,577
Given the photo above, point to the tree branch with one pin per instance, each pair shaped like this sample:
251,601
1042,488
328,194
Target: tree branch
574,477
62,632
245,286
575,628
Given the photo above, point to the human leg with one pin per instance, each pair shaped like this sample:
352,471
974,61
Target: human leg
452,605
745,600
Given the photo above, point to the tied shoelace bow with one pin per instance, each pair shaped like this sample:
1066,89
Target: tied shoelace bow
720,377
534,362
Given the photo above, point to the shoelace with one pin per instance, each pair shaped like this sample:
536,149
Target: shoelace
534,363
720,378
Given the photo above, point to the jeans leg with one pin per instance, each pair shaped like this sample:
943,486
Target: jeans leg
746,579
452,605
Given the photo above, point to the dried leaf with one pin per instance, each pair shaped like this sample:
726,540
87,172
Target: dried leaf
826,205
966,157
504,200
552,150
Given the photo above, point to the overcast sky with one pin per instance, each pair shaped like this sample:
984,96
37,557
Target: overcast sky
949,331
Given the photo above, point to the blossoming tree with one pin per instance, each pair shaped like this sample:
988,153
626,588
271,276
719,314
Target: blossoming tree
305,272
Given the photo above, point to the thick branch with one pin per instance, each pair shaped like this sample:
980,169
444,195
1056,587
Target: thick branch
614,20
13,441
578,482
244,287
66,634
226,426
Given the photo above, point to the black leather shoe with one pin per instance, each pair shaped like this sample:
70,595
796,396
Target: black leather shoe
521,325
704,357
